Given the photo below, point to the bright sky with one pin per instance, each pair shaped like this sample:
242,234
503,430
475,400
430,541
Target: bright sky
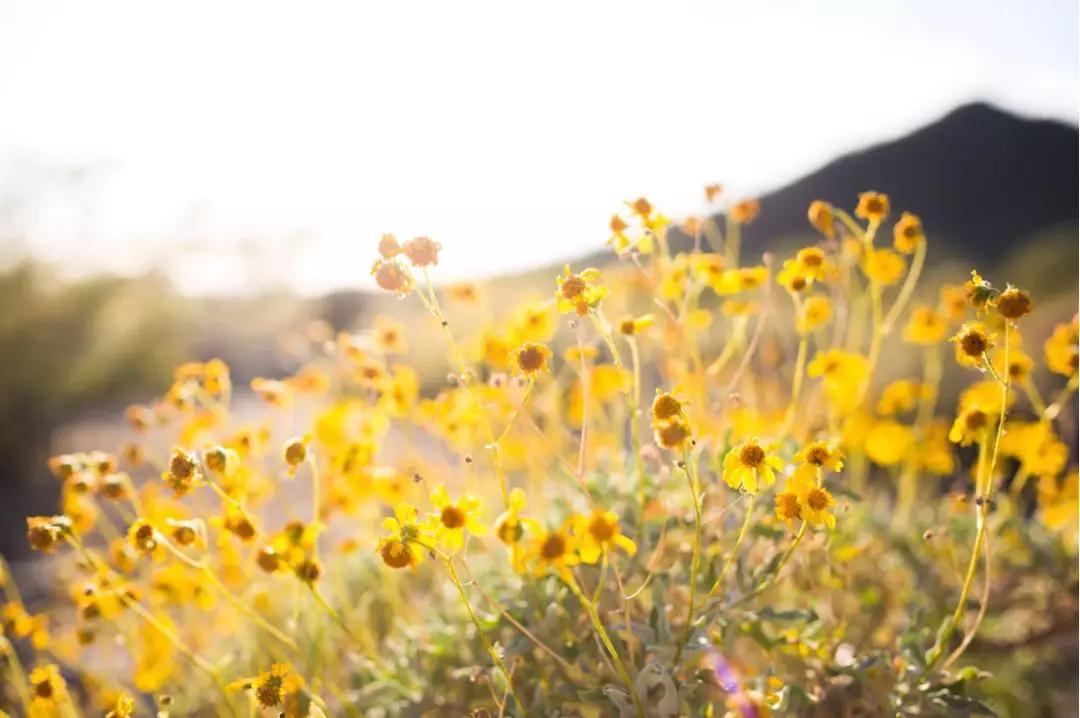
254,143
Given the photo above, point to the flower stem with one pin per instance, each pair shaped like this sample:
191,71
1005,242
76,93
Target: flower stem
601,632
495,657
734,549
690,466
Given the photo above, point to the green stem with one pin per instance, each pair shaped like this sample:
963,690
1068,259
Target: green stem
601,632
495,657
690,466
734,549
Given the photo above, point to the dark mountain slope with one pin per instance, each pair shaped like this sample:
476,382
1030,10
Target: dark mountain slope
981,179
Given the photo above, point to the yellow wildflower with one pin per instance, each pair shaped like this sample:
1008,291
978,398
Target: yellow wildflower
453,519
599,532
749,464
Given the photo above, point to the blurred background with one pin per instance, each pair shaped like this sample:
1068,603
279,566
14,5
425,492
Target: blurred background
193,180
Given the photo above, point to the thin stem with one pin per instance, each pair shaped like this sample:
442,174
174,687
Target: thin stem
521,407
495,657
16,666
909,287
734,549
602,634
153,621
690,467
796,386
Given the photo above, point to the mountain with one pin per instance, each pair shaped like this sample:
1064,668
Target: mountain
982,180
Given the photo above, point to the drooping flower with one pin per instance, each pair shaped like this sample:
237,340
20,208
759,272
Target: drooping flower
908,233
972,343
926,326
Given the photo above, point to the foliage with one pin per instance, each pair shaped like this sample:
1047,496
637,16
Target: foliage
682,487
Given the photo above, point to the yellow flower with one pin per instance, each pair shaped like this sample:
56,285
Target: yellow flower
184,472
1013,303
744,212
900,396
392,276
821,217
908,233
979,292
388,335
530,359
511,528
954,303
455,518
1061,350
1036,446
843,373
673,434
821,454
535,322
47,686
793,277
272,688
888,442
813,313
1058,505
972,424
883,266
925,327
873,207
579,293
554,550
46,532
814,501
788,508
422,251
632,326
733,281
600,532
398,550
972,343
123,707
665,406
748,464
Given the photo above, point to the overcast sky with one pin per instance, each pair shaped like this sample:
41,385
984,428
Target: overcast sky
252,143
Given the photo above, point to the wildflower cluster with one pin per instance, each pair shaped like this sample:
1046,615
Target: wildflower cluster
791,525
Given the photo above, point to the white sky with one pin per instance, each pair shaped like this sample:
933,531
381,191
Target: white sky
255,143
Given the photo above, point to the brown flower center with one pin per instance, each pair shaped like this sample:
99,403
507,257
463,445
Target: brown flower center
788,505
601,529
817,499
817,455
452,517
531,359
554,547
973,344
752,455
573,286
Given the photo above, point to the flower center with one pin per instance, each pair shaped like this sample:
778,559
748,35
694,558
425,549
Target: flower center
530,359
601,529
752,456
573,286
818,455
452,517
509,531
973,344
788,505
554,547
818,499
